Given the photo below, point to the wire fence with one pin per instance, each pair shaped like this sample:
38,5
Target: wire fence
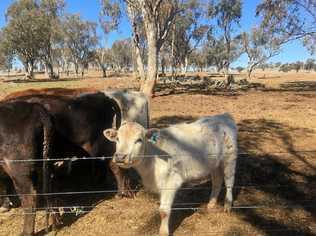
71,159
78,209
177,206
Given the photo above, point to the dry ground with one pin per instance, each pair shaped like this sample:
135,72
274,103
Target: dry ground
274,177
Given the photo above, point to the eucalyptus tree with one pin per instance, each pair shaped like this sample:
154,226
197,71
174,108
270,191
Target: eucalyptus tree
81,41
109,20
51,13
289,20
121,54
227,14
156,17
259,48
187,33
6,54
24,33
32,31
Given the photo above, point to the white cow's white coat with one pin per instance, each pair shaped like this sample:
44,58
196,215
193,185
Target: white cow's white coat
184,153
134,105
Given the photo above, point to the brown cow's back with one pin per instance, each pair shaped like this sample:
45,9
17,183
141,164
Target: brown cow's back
62,92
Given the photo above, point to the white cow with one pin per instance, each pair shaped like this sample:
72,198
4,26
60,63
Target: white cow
134,105
185,153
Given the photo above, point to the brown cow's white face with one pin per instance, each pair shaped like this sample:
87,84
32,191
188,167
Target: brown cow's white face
130,144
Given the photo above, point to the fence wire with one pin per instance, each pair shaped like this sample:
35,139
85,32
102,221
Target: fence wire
308,186
83,209
54,159
183,206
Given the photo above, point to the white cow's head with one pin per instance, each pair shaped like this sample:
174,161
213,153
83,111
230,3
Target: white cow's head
131,140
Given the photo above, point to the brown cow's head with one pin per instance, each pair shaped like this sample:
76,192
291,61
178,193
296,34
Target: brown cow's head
131,140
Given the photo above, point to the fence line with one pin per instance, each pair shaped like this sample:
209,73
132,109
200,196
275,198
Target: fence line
78,209
166,155
142,190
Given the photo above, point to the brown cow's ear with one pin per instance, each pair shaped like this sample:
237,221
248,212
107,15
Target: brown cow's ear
153,135
110,134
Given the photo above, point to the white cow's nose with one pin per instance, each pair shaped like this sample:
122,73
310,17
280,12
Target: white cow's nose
119,158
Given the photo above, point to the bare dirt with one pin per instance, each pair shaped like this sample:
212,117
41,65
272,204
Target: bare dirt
275,187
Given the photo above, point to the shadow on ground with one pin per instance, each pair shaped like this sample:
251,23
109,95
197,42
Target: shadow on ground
25,81
167,89
299,86
281,182
198,87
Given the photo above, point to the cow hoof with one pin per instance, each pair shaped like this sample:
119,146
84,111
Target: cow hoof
203,209
163,234
228,207
212,206
125,194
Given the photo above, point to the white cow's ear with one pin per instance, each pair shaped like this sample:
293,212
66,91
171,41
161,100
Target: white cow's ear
153,135
110,134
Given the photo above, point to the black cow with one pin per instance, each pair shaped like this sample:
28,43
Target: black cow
26,132
81,120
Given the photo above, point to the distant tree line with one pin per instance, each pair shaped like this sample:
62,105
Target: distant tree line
167,35
309,65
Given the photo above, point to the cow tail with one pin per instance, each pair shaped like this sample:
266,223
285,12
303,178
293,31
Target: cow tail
47,143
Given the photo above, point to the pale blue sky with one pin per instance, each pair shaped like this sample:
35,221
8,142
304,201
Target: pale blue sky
89,10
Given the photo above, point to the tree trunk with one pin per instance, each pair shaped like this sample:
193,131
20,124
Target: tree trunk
149,85
50,71
82,71
172,52
30,70
186,62
250,70
104,75
76,69
140,64
163,65
136,41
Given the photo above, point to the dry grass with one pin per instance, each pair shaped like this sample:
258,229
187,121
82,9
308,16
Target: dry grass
273,126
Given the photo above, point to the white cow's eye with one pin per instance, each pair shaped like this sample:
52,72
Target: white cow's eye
139,141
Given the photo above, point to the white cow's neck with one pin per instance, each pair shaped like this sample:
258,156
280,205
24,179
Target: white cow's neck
147,168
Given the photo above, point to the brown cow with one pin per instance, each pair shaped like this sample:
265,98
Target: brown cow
81,119
26,133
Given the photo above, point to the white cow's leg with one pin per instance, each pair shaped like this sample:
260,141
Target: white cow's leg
167,196
229,176
217,181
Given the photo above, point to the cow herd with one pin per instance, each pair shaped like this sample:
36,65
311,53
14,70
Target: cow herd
38,125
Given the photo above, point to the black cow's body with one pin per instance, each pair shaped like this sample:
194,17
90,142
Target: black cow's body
81,120
25,133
